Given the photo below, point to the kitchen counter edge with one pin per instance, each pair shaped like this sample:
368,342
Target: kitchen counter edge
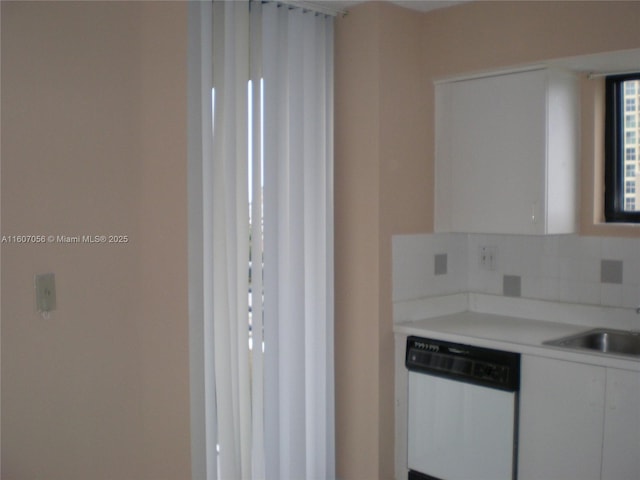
512,334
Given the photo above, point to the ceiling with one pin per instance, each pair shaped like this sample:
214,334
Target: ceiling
596,64
418,5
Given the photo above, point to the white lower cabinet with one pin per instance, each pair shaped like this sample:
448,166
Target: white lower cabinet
578,421
621,449
561,420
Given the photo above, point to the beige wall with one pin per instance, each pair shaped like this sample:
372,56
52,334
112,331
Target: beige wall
379,182
94,142
386,61
357,220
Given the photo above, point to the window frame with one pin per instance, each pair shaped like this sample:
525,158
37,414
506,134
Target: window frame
615,110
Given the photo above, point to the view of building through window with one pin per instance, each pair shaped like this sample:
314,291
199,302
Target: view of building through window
631,102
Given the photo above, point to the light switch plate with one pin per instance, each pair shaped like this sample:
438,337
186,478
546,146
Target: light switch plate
45,292
488,257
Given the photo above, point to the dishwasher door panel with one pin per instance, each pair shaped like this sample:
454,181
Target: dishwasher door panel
460,431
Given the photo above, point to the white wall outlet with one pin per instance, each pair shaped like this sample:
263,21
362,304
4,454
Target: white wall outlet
488,257
45,292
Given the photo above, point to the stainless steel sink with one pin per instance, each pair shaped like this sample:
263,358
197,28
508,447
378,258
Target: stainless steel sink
603,340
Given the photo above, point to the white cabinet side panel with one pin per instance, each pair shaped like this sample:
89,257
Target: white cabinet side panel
562,157
401,376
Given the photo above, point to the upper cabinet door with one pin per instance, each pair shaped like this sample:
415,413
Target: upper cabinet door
506,153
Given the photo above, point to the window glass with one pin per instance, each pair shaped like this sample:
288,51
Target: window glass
630,121
629,88
630,203
622,139
630,104
630,187
629,170
630,137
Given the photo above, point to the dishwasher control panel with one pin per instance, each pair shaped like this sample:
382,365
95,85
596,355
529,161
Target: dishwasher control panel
466,363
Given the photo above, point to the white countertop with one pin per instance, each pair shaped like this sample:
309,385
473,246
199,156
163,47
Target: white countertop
511,334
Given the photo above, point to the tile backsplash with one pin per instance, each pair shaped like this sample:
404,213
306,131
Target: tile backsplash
565,268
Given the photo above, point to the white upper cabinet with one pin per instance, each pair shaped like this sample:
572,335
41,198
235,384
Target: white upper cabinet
506,153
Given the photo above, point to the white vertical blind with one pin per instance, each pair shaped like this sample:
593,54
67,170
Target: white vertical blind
267,195
297,59
231,238
202,377
257,246
270,38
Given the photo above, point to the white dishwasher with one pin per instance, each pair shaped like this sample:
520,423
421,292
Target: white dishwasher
462,411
